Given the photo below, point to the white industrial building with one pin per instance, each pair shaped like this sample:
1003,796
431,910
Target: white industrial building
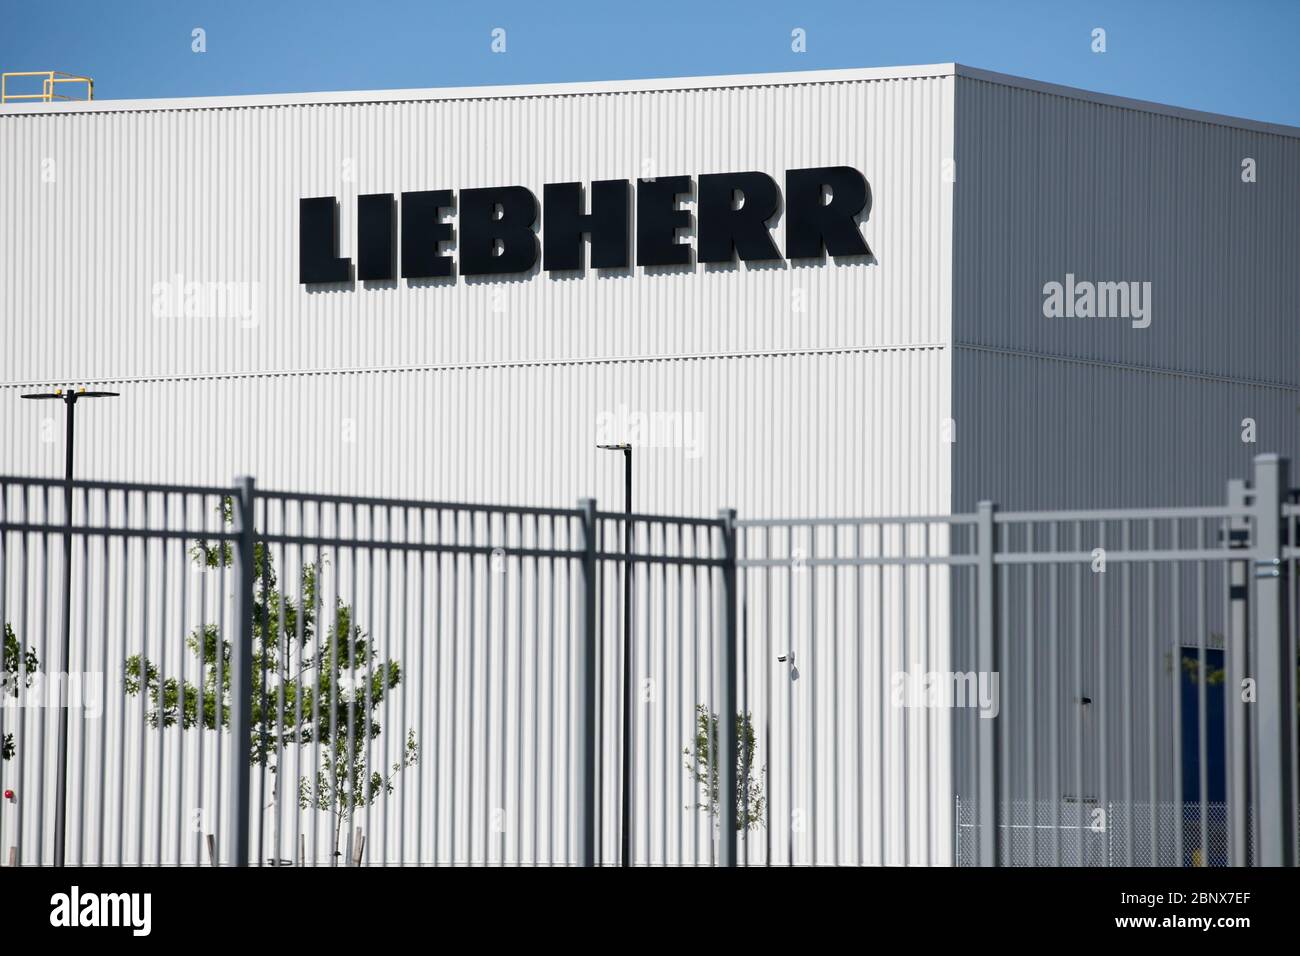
155,248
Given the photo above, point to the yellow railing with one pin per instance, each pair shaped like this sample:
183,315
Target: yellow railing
50,80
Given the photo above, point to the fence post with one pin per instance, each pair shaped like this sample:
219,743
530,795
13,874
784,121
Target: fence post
1238,664
586,729
988,771
235,838
1274,671
728,742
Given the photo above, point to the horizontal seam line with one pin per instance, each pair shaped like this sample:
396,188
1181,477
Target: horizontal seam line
482,366
1128,366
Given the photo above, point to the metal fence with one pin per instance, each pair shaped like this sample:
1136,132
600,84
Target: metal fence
203,675
426,683
1091,687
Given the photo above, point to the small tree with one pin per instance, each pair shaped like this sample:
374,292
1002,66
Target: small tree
324,678
10,680
750,802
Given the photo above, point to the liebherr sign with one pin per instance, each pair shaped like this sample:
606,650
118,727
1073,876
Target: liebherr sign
494,231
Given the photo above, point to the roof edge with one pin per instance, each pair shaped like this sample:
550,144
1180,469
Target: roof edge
1124,102
652,85
433,94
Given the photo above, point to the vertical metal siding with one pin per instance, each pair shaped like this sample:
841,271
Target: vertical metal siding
1090,412
816,434
211,196
1092,436
488,389
141,197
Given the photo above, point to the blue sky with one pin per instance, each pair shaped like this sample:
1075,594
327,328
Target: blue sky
1235,57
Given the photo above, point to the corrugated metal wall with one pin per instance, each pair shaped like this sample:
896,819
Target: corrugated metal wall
1077,434
109,215
790,388
1095,413
854,432
1092,412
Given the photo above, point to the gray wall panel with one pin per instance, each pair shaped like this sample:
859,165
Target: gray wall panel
1050,185
1081,412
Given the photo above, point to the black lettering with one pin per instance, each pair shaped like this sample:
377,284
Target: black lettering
481,229
421,233
318,238
658,219
725,231
375,236
564,224
810,223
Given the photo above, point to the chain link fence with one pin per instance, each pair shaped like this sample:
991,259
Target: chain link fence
1089,835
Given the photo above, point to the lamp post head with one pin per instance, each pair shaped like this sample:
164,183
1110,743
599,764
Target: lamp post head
623,447
70,394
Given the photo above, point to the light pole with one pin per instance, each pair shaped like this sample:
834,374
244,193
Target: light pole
69,397
626,844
